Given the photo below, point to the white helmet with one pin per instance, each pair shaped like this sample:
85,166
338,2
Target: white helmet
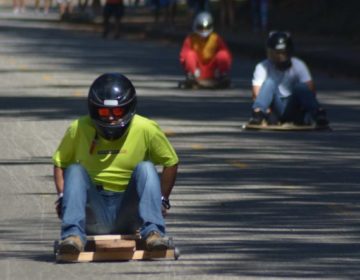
203,24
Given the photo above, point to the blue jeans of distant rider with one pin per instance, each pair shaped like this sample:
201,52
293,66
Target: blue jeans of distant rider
291,108
87,210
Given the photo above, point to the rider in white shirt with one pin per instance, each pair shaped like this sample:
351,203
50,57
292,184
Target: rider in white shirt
283,84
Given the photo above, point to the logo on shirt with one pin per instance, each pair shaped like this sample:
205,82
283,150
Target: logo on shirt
111,152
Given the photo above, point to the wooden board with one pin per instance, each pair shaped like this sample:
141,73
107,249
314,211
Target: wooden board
118,256
285,127
113,237
202,84
116,248
207,83
111,243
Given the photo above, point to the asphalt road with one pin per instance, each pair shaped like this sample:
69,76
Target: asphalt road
247,205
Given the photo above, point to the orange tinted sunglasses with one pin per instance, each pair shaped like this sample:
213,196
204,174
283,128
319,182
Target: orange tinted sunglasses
116,112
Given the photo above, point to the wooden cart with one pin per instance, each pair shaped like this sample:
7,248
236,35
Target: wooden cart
116,248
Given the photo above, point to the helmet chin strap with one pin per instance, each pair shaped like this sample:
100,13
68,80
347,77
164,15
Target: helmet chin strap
94,143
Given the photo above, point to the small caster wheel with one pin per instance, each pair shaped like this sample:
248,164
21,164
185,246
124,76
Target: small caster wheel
176,253
56,246
181,85
170,243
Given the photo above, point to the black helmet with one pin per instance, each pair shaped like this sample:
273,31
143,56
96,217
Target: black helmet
280,48
203,24
112,104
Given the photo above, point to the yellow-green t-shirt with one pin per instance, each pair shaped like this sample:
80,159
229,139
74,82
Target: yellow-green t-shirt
111,163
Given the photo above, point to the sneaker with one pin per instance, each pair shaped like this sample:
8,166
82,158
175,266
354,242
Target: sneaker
257,118
190,80
155,242
197,73
224,81
71,245
321,119
190,77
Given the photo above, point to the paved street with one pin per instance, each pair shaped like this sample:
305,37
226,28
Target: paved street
247,205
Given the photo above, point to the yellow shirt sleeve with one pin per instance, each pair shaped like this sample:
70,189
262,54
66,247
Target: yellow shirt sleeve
160,150
64,155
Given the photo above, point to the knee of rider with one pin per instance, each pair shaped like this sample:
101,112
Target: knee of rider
223,56
75,172
145,171
269,82
191,55
145,167
74,169
300,88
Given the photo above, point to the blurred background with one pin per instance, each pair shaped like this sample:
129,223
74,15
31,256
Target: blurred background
325,17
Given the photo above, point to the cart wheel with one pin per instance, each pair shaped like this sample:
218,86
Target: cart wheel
170,243
56,246
181,85
176,253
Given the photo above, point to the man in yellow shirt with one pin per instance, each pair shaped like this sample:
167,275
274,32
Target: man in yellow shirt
104,170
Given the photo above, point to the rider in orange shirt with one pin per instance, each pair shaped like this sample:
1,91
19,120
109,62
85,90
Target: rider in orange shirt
204,54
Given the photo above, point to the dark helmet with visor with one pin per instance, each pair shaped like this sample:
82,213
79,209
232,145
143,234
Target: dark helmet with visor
203,24
112,104
280,48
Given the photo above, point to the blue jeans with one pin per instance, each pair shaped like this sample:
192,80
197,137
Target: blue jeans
302,100
87,210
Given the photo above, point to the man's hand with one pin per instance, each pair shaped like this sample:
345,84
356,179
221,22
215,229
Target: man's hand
163,211
165,206
58,206
168,177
